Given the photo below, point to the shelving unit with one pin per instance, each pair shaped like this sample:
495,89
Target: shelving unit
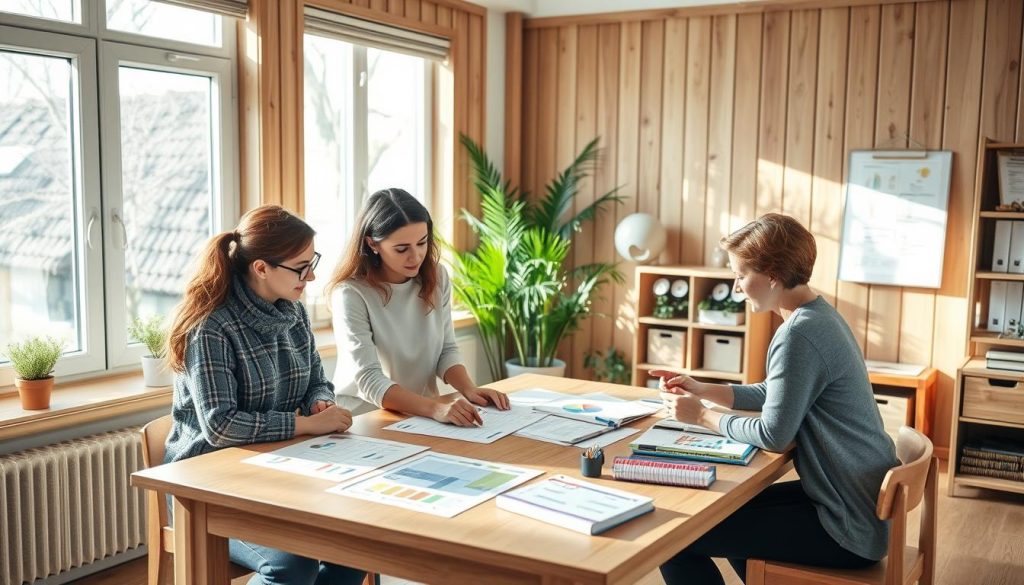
755,331
986,402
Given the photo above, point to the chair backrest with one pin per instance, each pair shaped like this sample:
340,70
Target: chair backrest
903,489
154,439
914,450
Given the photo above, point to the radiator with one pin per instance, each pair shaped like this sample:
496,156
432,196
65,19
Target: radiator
69,504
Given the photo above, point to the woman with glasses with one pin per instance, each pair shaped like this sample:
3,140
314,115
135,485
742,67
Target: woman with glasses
247,370
391,305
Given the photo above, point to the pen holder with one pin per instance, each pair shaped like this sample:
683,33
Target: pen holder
591,467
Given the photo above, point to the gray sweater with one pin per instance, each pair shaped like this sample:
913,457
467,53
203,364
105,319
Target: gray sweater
817,394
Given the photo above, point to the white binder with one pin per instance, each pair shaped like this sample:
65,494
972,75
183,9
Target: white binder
1014,296
997,306
1016,262
1001,246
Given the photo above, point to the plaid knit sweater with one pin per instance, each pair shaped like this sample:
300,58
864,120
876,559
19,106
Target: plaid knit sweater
248,368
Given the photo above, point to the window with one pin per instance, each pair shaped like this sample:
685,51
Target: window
367,127
90,240
58,10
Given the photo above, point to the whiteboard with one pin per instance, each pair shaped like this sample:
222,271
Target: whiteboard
894,222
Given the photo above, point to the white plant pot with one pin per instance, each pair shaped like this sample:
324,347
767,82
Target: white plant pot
557,368
155,372
720,317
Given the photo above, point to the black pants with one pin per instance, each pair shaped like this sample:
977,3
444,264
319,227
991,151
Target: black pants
780,524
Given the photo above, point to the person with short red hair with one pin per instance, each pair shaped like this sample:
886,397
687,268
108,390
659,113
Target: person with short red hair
817,398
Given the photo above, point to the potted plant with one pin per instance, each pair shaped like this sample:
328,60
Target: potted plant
514,282
33,361
727,311
610,366
151,333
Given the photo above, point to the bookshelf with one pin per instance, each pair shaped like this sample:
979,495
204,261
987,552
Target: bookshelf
755,332
987,403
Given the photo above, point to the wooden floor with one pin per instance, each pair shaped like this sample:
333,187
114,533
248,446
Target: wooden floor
981,541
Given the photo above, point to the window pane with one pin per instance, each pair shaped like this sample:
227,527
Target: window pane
164,21
39,260
166,181
66,10
395,122
330,192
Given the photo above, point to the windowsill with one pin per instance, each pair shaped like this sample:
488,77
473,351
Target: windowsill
76,403
80,402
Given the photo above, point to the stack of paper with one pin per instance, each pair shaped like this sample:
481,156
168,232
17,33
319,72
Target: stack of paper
577,505
1004,360
669,443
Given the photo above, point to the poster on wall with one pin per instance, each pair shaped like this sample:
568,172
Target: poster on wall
894,222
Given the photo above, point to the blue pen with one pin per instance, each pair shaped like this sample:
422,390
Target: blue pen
606,421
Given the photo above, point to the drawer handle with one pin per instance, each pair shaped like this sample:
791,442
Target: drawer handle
665,335
722,341
1002,383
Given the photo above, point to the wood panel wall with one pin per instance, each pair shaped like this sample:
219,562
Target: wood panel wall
270,48
709,120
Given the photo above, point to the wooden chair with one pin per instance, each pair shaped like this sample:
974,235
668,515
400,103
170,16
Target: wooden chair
903,489
160,535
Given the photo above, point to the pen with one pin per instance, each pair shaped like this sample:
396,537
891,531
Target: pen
606,421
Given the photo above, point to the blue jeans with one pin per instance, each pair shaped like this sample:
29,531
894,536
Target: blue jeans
275,567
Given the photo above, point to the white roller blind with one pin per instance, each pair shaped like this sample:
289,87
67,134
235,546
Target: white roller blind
234,8
373,34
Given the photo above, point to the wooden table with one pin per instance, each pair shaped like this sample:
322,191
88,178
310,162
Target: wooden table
217,497
923,385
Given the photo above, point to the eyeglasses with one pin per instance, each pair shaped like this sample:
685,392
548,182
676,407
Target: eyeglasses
305,270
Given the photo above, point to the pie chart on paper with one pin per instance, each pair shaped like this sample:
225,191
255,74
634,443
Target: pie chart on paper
581,407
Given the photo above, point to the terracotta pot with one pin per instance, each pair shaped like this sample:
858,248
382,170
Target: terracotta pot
35,394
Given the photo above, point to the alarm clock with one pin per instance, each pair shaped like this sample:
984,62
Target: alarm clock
661,286
680,288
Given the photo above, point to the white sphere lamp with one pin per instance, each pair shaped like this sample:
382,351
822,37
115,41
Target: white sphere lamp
640,238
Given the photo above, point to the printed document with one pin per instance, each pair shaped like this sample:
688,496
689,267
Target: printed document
336,457
497,424
443,485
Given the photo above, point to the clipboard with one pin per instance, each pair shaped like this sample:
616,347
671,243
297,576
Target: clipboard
894,219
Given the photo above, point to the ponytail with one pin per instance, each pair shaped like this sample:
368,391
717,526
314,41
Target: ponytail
268,233
205,292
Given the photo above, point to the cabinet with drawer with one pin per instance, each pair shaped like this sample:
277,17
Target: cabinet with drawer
988,409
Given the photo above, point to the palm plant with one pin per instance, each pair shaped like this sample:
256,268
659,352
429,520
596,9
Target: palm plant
515,283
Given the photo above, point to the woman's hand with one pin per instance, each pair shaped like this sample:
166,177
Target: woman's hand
322,405
332,419
485,396
684,407
458,412
673,382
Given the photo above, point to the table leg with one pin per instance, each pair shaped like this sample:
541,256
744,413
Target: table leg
200,558
923,399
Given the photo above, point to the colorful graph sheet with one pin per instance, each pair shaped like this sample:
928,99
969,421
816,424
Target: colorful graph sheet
336,457
442,485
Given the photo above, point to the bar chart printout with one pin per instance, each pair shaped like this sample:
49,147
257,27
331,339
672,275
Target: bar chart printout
443,485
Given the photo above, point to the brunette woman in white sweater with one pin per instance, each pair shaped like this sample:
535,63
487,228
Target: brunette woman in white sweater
391,306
